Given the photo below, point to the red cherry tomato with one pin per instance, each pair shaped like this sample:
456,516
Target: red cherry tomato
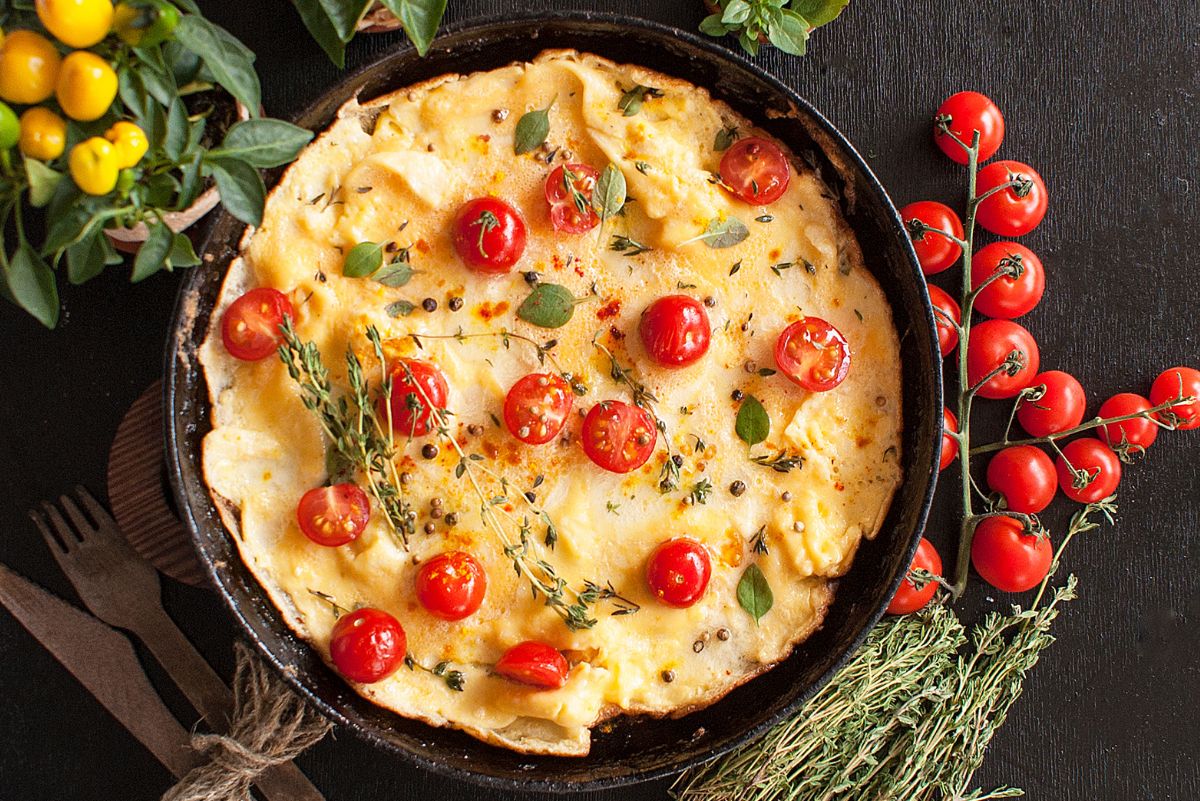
678,572
250,326
675,330
416,384
537,406
949,444
944,306
813,354
1007,297
489,235
534,663
970,112
1025,476
1092,458
1005,213
934,251
1008,558
618,437
367,645
1138,432
1178,382
990,344
451,585
334,515
755,170
570,198
1060,407
908,598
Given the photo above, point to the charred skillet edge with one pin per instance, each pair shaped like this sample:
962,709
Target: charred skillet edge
617,759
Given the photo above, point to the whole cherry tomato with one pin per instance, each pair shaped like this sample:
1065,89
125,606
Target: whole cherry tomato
569,190
675,330
1138,432
415,384
1007,297
969,112
367,645
1025,476
537,406
250,326
934,251
813,354
333,516
908,598
1008,558
990,344
451,585
1008,212
1096,474
618,437
949,444
755,170
1178,382
678,571
1059,408
534,663
943,307
489,235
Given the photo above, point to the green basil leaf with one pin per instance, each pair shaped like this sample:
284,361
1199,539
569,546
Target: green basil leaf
263,142
396,274
362,260
548,306
754,593
420,19
819,12
401,308
230,61
753,424
713,26
182,253
608,196
790,33
42,182
178,129
725,138
241,188
723,234
86,258
736,12
152,255
31,284
532,130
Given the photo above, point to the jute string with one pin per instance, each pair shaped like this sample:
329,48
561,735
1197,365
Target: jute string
271,725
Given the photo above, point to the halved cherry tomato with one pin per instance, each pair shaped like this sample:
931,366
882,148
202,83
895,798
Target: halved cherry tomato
489,235
970,112
1025,476
451,585
1138,432
1061,406
990,344
537,406
1178,382
534,663
755,170
250,326
1097,470
1007,297
949,444
367,645
618,437
675,330
569,192
908,598
334,516
1006,213
934,251
945,306
1008,558
678,571
415,384
813,354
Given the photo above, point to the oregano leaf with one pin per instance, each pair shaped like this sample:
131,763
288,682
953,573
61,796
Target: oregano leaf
548,306
363,260
608,197
532,130
753,424
754,593
396,274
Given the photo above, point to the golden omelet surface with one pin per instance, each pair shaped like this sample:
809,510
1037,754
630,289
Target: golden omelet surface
397,170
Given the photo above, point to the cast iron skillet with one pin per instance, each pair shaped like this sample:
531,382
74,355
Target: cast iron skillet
633,749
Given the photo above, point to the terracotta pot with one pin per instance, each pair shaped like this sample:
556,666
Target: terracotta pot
378,20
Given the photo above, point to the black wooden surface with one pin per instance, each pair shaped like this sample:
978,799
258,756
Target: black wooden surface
1101,98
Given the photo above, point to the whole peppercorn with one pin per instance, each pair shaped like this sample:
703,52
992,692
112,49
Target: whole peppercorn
455,303
429,304
737,488
737,395
452,519
429,451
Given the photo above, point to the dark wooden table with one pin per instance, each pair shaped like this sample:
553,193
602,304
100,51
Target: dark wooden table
1101,98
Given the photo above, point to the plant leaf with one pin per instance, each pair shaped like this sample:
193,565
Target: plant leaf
532,130
723,233
819,12
343,16
86,258
241,188
632,99
177,132
754,593
608,196
713,26
230,61
725,138
753,424
401,308
263,142
42,182
420,19
790,34
322,28
152,256
548,306
182,253
396,274
362,260
31,283
736,12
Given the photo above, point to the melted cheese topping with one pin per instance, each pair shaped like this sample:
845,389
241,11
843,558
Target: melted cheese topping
398,169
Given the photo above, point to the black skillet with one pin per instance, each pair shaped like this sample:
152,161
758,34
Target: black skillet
632,749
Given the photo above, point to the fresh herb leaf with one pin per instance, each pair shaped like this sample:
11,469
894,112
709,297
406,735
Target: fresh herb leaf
401,308
632,99
700,491
630,247
782,462
753,424
532,130
396,274
363,260
819,12
725,137
754,593
608,197
737,265
719,234
789,33
548,306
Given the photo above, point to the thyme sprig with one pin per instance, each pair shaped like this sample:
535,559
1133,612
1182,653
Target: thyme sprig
628,246
782,462
454,679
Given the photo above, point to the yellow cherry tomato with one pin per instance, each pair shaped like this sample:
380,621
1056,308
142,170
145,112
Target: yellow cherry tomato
130,142
43,134
93,165
86,86
29,67
78,23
